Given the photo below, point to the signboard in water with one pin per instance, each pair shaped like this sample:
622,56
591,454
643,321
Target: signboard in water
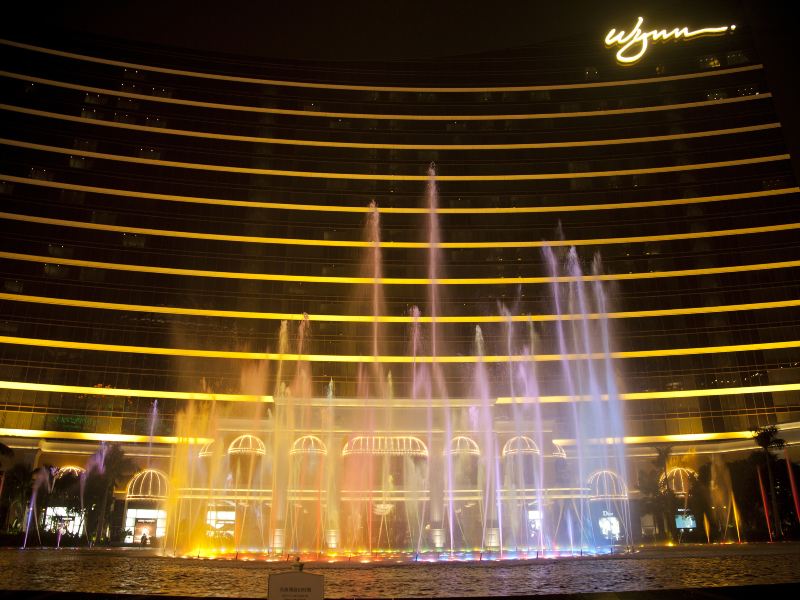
296,585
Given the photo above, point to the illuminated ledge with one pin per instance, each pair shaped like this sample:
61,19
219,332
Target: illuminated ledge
395,402
397,280
393,359
385,146
60,185
383,116
143,439
389,176
203,312
752,389
101,391
370,88
282,241
100,437
673,439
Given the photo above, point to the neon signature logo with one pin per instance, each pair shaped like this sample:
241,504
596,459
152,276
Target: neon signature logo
634,44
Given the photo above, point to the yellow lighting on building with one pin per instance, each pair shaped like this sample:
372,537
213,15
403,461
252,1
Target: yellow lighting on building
389,176
367,146
371,88
394,359
250,239
663,395
679,438
60,185
101,391
397,280
415,117
200,312
634,43
121,438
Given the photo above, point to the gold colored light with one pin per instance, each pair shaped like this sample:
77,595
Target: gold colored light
200,312
394,359
398,280
450,402
393,117
122,438
662,395
59,185
101,391
371,88
251,239
388,176
361,145
674,438
636,37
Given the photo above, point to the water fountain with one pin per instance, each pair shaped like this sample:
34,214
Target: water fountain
418,472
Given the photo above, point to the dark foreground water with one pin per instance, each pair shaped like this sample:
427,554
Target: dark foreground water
132,571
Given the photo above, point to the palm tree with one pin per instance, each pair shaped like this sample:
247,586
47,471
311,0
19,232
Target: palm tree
5,452
661,461
767,438
18,488
116,468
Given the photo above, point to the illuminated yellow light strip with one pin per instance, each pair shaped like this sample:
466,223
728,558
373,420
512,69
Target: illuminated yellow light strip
394,210
360,145
396,280
101,391
673,438
376,116
387,176
389,245
360,402
369,88
122,438
393,359
663,395
200,312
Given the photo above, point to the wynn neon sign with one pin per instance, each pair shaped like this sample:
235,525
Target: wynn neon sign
634,43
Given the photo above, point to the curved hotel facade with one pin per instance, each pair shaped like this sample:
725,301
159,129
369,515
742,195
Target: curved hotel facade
411,305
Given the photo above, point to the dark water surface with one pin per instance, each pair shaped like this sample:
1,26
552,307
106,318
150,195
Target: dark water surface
132,571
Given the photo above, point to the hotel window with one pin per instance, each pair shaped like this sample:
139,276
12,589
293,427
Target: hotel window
79,162
59,250
149,152
41,174
121,117
737,57
155,121
132,240
591,74
73,196
127,104
13,285
716,94
709,62
748,90
96,99
55,271
91,113
161,92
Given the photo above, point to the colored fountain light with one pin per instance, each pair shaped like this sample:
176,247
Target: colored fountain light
426,461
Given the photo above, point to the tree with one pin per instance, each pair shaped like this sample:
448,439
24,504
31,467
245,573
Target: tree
767,438
662,496
5,453
99,493
18,480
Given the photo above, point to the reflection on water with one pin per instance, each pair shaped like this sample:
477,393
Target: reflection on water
134,572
